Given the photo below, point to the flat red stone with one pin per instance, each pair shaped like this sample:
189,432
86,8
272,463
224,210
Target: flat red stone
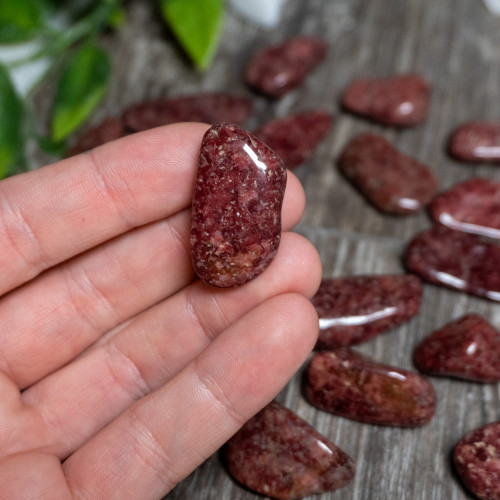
295,137
354,309
467,348
209,108
472,206
281,68
236,214
456,260
353,386
477,461
278,454
106,131
401,100
392,181
476,142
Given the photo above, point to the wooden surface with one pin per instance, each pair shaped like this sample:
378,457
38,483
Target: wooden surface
456,45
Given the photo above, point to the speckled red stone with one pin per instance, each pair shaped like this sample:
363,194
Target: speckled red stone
477,461
278,454
472,206
392,181
353,386
467,348
295,137
106,131
281,68
476,142
401,100
354,309
209,108
457,260
236,214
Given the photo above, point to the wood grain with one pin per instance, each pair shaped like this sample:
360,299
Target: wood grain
456,45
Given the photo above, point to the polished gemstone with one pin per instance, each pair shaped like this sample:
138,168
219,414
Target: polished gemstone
401,100
392,181
476,142
278,454
281,68
294,138
354,386
472,206
354,309
106,131
236,214
456,260
477,460
210,108
467,348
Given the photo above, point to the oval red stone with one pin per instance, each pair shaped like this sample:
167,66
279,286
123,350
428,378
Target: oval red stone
281,68
353,386
278,454
476,141
392,181
295,137
456,260
208,108
467,348
236,214
354,309
400,100
477,460
472,206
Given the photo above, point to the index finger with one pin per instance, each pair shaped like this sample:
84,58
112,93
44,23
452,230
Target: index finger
56,212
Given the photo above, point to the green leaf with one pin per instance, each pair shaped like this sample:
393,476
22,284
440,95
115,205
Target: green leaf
11,117
82,85
197,25
20,20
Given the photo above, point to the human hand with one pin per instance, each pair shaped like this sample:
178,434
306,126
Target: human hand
119,372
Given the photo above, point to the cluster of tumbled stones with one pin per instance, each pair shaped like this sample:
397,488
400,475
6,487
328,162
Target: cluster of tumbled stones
235,234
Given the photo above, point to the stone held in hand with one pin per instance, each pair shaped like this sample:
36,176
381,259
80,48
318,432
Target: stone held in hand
353,309
456,260
477,460
295,137
472,206
210,108
281,68
353,386
236,213
400,100
278,454
476,141
391,180
466,348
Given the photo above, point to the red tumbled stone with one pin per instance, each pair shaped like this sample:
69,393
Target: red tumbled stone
295,137
467,348
457,260
477,460
476,142
354,309
353,386
281,68
209,108
106,131
401,100
236,214
472,206
392,181
278,454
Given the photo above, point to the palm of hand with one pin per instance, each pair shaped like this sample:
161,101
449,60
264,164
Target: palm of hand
120,373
